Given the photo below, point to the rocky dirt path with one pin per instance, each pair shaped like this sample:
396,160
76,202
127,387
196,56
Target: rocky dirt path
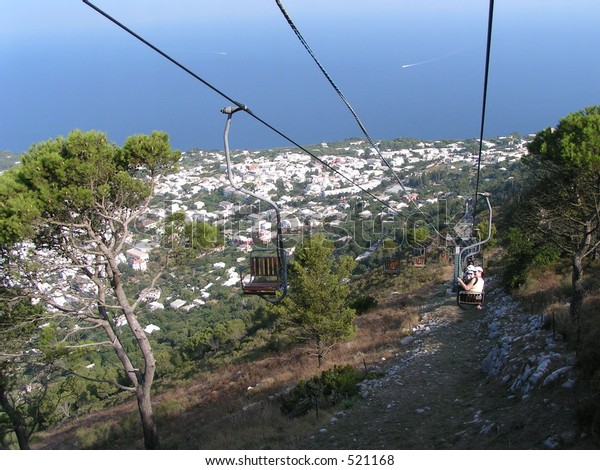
491,379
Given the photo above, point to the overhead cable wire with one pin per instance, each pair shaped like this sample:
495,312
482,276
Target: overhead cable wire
484,100
335,87
156,49
343,98
233,101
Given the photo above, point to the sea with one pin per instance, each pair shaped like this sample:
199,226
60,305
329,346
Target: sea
417,75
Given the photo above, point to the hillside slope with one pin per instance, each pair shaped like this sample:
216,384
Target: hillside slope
453,379
491,379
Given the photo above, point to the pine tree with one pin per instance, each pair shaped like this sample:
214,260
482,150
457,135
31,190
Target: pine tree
318,300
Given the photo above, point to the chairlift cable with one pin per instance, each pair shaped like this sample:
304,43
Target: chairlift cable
484,101
233,101
467,249
343,98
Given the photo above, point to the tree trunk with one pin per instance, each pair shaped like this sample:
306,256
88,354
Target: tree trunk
143,386
578,293
147,417
319,353
15,418
22,437
142,379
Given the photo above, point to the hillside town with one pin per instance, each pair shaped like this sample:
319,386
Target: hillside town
308,192
324,193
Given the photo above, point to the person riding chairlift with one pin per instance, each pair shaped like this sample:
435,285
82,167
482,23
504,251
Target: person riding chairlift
468,274
475,284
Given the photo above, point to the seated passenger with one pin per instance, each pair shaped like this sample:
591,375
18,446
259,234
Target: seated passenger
468,274
475,285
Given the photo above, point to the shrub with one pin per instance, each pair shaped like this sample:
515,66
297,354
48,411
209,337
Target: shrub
364,304
110,434
92,437
331,388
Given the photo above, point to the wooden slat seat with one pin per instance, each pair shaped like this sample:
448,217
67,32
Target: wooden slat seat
260,288
391,266
471,297
264,266
469,300
264,277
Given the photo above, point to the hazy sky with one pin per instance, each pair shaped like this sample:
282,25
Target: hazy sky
409,68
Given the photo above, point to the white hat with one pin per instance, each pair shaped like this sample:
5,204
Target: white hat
479,268
470,268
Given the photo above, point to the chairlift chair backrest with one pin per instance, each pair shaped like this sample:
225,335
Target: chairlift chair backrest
264,266
468,300
391,266
266,275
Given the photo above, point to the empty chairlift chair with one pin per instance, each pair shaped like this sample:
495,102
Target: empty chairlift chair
267,271
419,258
265,276
391,266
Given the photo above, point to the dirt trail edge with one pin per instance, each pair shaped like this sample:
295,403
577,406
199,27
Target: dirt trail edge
468,379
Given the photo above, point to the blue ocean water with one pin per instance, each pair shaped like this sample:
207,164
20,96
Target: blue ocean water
404,76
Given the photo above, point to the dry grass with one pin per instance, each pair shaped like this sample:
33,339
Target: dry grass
237,406
545,287
224,413
548,291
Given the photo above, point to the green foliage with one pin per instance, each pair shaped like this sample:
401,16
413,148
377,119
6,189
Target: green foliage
228,324
68,180
192,235
21,367
317,303
389,245
524,253
573,144
329,389
151,154
213,338
483,230
418,235
17,210
85,194
363,304
560,201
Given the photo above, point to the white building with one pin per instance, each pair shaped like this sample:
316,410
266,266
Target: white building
151,329
177,303
138,264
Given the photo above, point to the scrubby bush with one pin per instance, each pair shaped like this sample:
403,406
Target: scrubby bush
363,304
331,388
